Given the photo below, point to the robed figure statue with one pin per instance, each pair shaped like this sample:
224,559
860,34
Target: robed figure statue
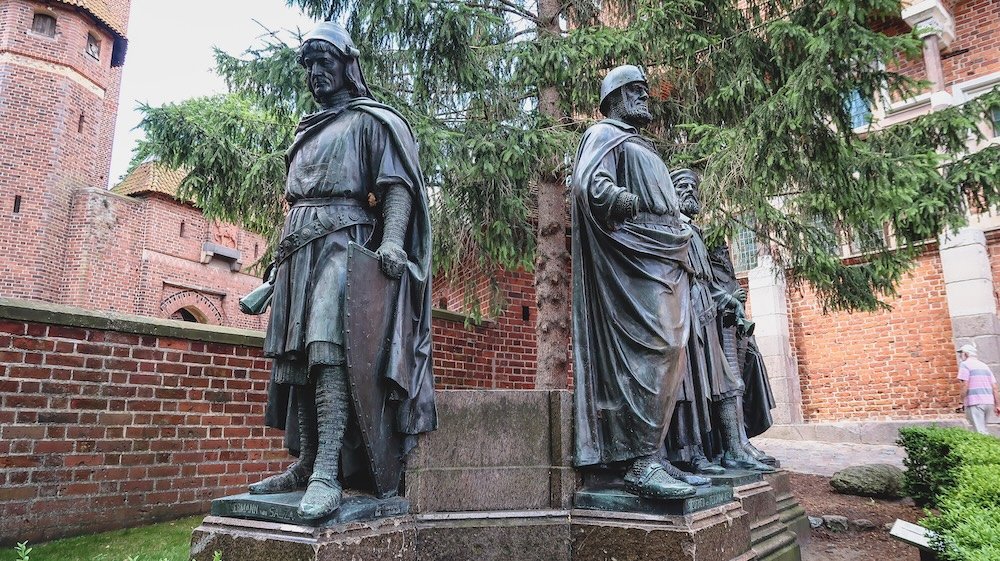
630,294
713,387
349,333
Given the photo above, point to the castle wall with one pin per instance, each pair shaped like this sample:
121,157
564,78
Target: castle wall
108,421
897,364
58,105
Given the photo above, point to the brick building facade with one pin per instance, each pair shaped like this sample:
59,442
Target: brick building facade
900,364
60,71
64,238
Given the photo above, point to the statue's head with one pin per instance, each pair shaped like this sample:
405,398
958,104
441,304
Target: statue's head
331,61
625,96
686,184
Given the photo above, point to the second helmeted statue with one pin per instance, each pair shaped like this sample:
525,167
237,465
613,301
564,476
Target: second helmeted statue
355,251
631,300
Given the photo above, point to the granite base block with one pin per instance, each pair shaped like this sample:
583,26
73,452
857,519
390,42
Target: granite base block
717,534
758,500
494,536
773,541
252,540
619,500
721,533
790,511
735,478
283,508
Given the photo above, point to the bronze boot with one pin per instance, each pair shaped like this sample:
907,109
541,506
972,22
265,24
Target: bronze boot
324,493
297,474
649,479
735,457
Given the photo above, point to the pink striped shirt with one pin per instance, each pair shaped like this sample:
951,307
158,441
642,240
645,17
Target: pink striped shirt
980,381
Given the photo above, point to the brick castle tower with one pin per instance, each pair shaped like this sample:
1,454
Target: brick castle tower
60,73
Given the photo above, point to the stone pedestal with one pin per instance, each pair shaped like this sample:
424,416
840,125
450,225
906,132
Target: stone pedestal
251,540
790,512
494,536
619,500
283,508
770,538
716,534
495,483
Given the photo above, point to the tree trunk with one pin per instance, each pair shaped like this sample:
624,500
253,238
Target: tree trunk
552,282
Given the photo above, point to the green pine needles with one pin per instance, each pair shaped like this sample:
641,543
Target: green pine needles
755,94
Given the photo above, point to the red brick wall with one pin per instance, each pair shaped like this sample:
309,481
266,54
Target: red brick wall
104,429
878,366
500,353
977,28
135,246
48,85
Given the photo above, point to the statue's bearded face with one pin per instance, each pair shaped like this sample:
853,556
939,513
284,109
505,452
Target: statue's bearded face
632,105
325,70
687,192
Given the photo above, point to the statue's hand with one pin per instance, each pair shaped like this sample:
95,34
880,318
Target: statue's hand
741,295
392,258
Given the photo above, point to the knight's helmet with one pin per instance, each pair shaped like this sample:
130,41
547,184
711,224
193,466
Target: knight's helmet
618,77
337,36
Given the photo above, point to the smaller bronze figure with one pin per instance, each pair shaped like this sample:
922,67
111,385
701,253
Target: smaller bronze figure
741,352
713,376
349,332
630,295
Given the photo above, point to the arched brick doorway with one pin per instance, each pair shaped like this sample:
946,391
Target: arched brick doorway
189,305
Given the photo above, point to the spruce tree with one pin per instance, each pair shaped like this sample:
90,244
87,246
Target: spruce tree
755,94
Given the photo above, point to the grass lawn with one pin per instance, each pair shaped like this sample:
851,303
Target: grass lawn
166,541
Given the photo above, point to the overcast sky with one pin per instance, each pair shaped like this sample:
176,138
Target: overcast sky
170,54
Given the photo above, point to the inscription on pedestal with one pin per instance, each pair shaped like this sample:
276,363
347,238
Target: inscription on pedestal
284,508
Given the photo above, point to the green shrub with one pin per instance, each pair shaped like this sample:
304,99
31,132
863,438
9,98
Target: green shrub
958,472
935,454
975,486
966,532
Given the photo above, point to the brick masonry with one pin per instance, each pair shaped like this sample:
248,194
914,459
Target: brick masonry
896,364
58,111
107,424
498,352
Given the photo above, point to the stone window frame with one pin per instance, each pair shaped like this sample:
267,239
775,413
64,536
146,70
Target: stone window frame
38,33
93,46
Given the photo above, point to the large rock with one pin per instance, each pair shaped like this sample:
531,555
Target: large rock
873,480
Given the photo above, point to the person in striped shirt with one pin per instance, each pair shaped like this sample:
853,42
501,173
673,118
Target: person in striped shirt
980,393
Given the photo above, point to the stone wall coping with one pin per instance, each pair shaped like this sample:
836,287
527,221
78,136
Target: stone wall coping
458,317
58,314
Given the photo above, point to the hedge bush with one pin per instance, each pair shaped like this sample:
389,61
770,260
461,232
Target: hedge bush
958,472
934,456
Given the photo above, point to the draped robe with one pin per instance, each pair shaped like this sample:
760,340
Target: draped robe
630,297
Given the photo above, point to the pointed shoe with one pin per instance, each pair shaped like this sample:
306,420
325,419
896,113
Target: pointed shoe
759,455
689,478
651,481
322,498
743,460
292,479
702,465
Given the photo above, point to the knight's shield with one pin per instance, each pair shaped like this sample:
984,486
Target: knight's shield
370,308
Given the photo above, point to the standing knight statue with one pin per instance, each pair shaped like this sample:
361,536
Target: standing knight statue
716,379
630,295
354,256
